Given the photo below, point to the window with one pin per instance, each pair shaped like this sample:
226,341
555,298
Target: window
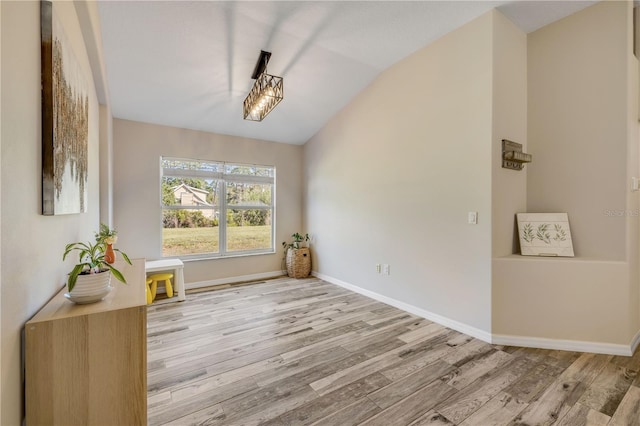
212,209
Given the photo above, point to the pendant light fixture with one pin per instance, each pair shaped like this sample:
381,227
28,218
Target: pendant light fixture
266,93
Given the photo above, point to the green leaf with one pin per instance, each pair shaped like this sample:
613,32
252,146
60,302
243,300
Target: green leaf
117,274
73,275
527,232
124,256
561,235
542,233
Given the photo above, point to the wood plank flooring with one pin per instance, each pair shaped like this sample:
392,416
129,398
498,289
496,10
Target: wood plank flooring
306,352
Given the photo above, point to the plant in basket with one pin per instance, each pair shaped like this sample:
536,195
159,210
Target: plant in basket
298,240
297,258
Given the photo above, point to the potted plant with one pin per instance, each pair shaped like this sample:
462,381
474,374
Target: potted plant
91,276
298,240
297,258
108,237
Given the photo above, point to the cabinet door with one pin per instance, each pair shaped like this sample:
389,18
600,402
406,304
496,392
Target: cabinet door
88,370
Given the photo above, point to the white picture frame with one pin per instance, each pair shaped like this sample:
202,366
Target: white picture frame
545,234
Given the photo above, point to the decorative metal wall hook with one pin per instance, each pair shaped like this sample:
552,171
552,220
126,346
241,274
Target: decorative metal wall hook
512,156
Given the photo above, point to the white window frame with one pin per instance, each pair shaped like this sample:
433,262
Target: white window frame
222,179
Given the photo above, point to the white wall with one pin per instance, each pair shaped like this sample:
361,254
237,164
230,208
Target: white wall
32,244
137,210
390,179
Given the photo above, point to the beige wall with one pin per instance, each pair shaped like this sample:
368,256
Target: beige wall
583,134
508,187
391,170
0,214
633,170
390,179
106,165
32,244
562,299
137,211
578,126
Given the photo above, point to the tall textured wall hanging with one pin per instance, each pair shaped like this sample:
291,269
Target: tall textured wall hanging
65,120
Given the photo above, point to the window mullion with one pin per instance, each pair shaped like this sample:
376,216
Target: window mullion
247,179
222,222
273,214
179,207
248,207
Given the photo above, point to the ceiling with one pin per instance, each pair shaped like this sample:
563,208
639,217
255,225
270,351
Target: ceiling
188,64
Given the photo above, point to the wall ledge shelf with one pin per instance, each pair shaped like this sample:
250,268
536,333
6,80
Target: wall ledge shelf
576,259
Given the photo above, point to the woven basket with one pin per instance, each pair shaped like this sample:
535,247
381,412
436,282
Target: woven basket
298,263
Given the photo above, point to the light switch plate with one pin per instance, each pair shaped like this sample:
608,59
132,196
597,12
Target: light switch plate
473,218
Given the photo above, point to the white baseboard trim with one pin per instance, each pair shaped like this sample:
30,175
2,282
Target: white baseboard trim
563,345
236,279
497,339
635,342
447,322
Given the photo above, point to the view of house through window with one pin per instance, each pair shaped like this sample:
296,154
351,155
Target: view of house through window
214,208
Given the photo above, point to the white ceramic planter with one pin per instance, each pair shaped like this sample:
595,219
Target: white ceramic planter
92,285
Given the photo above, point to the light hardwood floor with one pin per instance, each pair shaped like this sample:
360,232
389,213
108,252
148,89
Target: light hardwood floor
300,352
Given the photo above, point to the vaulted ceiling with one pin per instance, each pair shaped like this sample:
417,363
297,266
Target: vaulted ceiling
188,64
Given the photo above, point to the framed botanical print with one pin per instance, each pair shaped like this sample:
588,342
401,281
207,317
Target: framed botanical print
545,234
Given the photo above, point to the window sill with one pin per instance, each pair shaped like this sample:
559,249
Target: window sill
198,258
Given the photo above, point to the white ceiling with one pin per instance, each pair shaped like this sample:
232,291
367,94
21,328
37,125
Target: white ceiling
188,64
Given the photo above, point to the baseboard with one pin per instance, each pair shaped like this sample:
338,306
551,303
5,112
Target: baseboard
232,280
563,345
635,342
498,339
447,322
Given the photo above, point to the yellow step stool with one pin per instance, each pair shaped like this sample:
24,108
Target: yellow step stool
154,285
149,297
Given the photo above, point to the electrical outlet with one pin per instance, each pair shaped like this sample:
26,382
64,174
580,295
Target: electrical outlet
385,270
378,268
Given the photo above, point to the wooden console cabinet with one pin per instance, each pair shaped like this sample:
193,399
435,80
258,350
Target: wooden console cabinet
87,364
